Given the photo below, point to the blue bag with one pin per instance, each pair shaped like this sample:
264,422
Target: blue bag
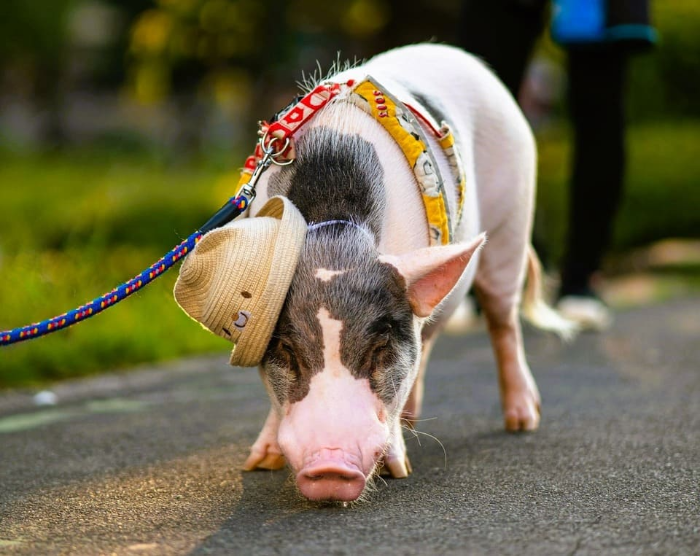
590,22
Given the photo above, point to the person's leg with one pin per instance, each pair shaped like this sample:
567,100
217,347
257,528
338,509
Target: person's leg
502,33
596,105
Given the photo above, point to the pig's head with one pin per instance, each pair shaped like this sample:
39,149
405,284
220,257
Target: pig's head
346,350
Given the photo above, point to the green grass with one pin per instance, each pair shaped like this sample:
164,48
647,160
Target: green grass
73,226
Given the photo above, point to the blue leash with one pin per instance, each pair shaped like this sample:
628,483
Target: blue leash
269,151
234,207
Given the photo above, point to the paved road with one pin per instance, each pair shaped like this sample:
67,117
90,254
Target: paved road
147,463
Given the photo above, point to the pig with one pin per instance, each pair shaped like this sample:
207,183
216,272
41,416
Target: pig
348,356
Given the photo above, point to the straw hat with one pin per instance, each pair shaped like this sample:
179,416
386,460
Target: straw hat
235,281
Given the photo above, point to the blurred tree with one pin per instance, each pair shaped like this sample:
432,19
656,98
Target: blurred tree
211,60
33,42
233,51
178,43
183,50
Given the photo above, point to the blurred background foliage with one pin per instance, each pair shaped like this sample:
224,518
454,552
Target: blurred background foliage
123,124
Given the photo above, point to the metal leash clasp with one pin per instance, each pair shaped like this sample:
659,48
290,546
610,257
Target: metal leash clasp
271,155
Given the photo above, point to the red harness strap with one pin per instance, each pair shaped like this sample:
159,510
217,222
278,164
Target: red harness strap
292,120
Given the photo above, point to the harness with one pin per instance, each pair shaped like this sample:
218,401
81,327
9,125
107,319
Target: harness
276,146
402,121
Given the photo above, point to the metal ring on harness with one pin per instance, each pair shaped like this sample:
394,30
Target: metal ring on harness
268,148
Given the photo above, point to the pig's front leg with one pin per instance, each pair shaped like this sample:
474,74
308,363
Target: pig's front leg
395,461
414,404
266,452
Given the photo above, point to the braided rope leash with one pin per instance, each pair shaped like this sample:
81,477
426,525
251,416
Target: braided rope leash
234,207
274,147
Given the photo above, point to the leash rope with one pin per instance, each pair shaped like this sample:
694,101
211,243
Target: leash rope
270,151
234,207
275,146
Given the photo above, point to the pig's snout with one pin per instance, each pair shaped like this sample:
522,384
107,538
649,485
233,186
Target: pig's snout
330,460
333,437
330,476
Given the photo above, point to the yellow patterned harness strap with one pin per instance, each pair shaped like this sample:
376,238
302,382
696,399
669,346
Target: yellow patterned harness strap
405,129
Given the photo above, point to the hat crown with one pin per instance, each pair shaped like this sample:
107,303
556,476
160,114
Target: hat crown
236,279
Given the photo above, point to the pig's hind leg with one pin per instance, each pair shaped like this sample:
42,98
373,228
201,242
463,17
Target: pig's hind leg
505,168
266,452
498,285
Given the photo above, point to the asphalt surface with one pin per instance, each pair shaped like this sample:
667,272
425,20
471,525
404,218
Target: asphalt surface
148,462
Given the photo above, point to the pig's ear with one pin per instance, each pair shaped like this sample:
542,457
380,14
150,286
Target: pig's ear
432,272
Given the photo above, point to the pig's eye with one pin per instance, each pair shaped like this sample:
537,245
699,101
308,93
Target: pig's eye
289,358
379,352
378,355
382,329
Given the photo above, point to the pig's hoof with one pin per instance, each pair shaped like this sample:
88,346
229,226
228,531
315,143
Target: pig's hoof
264,459
398,468
521,411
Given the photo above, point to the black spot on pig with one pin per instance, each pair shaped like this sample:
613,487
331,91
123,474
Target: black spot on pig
336,176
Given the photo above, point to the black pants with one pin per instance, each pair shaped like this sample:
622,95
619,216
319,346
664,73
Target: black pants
502,33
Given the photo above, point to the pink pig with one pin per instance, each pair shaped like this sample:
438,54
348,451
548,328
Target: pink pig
369,297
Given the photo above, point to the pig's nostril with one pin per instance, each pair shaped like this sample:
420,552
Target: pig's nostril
331,477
